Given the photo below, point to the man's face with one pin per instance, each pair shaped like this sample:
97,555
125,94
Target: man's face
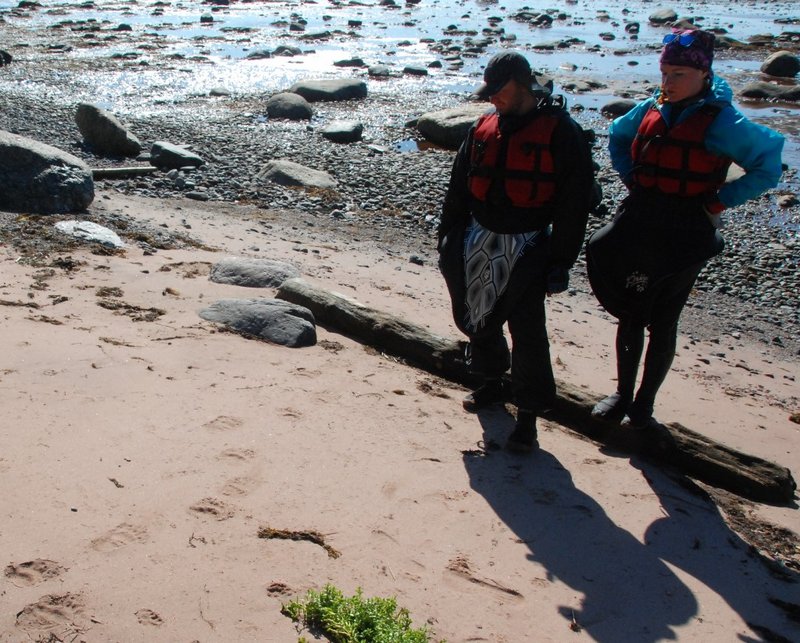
510,100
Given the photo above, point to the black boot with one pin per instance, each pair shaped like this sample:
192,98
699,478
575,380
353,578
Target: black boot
657,363
490,392
523,438
629,345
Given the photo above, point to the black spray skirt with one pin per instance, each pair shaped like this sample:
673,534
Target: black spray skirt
631,260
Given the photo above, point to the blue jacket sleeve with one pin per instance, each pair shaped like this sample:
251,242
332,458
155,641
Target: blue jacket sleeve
620,138
753,147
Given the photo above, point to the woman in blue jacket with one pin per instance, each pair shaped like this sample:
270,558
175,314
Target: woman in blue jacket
673,152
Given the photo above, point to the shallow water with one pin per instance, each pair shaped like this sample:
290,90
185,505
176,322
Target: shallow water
399,36
213,54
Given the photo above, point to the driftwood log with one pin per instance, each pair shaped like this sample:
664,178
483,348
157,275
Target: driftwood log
687,451
121,172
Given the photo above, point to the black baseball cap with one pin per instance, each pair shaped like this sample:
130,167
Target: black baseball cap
505,66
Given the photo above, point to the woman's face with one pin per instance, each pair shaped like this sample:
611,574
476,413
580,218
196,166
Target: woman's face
679,82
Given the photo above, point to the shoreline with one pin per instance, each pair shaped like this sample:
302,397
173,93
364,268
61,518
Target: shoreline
391,179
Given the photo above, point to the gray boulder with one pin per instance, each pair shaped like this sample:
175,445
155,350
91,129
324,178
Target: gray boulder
415,70
617,107
259,54
330,90
768,91
782,63
293,174
290,106
252,273
272,320
173,156
39,178
449,127
381,71
350,62
343,131
663,16
287,50
104,133
90,231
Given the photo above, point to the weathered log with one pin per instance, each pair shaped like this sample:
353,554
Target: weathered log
690,452
387,333
687,451
121,172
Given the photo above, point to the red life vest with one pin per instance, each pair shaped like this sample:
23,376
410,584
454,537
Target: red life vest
522,161
675,160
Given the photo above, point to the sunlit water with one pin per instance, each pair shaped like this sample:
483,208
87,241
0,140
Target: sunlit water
213,54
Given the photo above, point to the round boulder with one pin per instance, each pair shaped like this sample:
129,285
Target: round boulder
39,178
343,131
618,107
663,17
782,63
334,89
289,106
272,320
252,273
104,133
449,127
291,174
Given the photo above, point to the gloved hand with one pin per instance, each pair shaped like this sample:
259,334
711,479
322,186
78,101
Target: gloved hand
557,280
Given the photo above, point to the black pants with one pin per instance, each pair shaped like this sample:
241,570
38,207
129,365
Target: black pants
663,327
532,381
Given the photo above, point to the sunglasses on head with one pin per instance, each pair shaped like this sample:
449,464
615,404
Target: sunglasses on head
684,39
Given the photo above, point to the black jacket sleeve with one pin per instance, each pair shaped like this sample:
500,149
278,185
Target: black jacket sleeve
456,201
572,158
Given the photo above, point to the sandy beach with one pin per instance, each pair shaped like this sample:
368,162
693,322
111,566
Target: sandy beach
141,459
149,458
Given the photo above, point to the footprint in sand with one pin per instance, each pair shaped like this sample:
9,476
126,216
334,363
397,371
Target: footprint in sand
121,535
236,454
33,572
149,617
213,507
278,588
54,611
223,423
240,486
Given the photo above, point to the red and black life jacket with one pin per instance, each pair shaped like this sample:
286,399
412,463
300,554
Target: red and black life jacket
675,160
522,161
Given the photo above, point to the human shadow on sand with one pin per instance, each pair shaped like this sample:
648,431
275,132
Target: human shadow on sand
628,591
694,537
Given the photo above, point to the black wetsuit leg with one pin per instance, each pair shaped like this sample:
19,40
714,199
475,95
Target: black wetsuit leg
532,381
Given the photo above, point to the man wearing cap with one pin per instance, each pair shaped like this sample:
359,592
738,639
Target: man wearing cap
672,151
512,226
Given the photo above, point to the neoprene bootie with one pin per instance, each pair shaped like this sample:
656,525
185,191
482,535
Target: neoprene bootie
629,345
656,367
490,392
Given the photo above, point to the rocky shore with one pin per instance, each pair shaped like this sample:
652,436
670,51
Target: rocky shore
391,183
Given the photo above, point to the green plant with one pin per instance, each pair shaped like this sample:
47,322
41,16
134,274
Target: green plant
355,619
